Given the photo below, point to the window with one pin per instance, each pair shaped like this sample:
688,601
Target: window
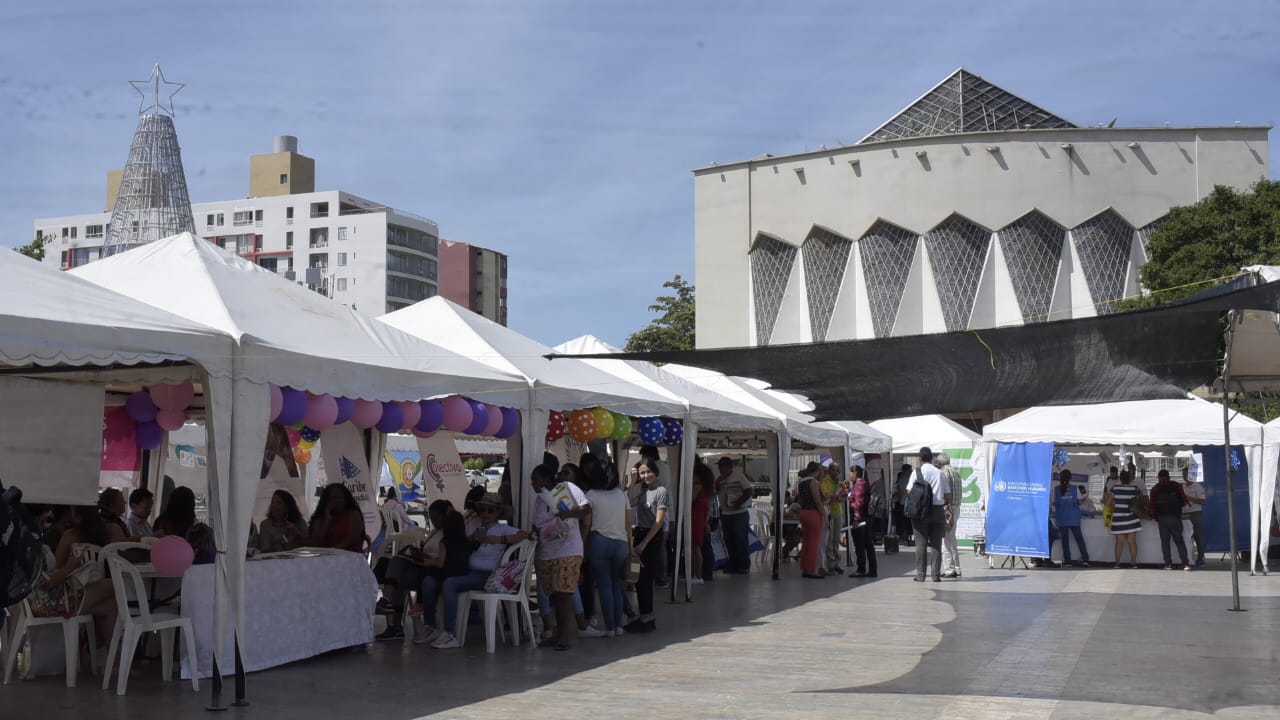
319,209
93,231
242,217
134,229
341,284
65,232
342,233
319,238
284,178
257,216
209,220
288,213
220,220
342,259
288,240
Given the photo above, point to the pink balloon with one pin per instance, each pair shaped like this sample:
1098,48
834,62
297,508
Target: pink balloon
277,403
322,412
495,420
367,414
457,413
412,413
172,397
171,419
172,555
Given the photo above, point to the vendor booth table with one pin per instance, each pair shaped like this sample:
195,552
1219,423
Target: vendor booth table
297,605
1102,546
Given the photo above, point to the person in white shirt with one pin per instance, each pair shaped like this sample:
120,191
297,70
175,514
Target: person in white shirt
141,501
955,488
734,491
1193,511
929,532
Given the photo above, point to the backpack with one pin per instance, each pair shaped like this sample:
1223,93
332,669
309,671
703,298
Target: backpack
21,550
919,501
875,506
1168,501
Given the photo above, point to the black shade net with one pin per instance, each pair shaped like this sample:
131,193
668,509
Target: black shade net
1153,354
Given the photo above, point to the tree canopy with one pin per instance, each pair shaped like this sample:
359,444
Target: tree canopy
1212,239
673,329
35,249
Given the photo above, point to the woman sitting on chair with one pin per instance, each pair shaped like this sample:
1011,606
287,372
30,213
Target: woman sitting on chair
283,528
337,522
77,584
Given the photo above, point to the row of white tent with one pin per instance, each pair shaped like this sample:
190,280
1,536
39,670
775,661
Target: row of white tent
182,309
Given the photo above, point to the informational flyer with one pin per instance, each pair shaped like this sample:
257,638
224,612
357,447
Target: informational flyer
1018,514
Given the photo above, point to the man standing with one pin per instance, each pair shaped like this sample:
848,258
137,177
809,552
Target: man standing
1167,502
1194,512
902,523
929,532
734,490
955,489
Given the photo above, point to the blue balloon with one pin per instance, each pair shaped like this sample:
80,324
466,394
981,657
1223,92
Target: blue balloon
673,431
479,418
432,416
510,423
392,418
346,408
651,431
310,435
293,406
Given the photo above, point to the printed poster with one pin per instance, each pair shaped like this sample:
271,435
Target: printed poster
970,462
402,469
1018,514
342,447
279,472
120,456
443,476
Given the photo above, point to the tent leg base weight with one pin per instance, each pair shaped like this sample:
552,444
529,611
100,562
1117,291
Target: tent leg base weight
1237,609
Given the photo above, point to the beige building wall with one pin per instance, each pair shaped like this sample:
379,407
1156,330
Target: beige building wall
113,188
281,173
991,178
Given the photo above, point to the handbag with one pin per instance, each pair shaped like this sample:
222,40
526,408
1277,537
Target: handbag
505,579
890,544
632,570
719,551
754,545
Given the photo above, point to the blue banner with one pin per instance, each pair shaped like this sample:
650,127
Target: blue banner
1018,511
1217,538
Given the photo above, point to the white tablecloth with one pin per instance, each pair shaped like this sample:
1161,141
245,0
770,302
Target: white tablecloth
1102,543
295,608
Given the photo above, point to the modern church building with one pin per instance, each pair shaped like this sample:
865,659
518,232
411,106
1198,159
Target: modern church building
970,208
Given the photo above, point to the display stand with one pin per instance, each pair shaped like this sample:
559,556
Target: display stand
1009,563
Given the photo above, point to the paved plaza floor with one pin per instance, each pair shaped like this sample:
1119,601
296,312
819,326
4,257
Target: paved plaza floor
1054,644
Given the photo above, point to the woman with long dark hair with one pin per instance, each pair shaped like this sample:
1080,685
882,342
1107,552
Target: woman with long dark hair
608,545
337,521
650,541
449,558
111,506
283,528
179,514
704,493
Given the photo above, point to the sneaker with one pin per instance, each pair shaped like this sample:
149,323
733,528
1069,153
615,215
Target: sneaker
428,635
446,641
591,631
1187,568
384,607
391,633
1168,567
696,581
1084,563
641,626
1200,562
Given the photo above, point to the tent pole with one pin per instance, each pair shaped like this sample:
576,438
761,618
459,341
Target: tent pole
1226,438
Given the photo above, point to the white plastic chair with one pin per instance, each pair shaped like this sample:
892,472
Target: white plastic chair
129,628
24,620
119,547
517,602
762,522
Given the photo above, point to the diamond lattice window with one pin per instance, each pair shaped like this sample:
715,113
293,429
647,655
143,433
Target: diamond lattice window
1103,244
957,252
1144,232
826,255
771,263
886,251
1032,248
962,103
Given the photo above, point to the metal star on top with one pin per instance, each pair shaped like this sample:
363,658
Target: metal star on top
153,83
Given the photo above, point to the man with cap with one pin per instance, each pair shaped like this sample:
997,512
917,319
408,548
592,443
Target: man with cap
955,489
929,532
734,491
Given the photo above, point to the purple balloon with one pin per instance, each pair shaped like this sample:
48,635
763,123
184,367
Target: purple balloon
140,407
293,406
510,423
149,435
432,416
346,408
479,418
392,418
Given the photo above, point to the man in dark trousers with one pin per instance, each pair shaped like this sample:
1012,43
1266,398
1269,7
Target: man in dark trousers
929,532
1167,501
902,523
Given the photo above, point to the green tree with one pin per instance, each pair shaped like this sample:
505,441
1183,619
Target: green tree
1212,239
673,329
35,250
473,463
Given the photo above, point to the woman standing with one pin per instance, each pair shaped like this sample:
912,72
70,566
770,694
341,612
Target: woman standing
809,495
864,549
704,491
650,541
609,546
1125,523
559,550
337,522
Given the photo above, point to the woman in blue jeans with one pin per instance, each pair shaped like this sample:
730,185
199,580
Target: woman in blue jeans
608,546
492,540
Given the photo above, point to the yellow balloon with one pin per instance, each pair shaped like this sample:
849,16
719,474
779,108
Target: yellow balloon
604,422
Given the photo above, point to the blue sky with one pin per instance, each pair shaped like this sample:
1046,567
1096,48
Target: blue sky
563,132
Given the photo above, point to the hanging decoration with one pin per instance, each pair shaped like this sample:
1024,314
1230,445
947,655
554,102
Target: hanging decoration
604,422
431,417
621,427
582,425
322,411
367,413
457,413
557,426
293,407
651,431
392,418
411,413
673,431
346,407
510,423
479,418
140,408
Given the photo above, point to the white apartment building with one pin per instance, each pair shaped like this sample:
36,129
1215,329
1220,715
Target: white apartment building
363,254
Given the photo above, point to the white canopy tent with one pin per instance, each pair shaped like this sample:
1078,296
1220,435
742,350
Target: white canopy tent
936,431
550,385
288,335
1143,425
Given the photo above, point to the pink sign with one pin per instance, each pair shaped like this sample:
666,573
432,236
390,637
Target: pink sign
119,449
